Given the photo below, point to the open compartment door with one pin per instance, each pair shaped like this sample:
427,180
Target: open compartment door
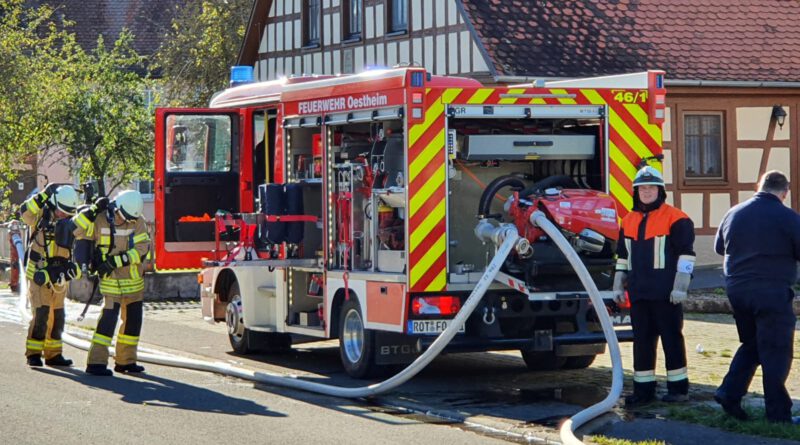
198,173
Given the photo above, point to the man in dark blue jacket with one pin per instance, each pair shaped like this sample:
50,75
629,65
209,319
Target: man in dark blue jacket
655,259
760,239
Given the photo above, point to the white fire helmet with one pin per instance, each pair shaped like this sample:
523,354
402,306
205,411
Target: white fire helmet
130,204
648,175
66,199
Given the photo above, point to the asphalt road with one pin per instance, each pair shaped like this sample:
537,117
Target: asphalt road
169,406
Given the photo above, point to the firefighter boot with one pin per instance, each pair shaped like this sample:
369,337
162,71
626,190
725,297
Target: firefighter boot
35,360
643,393
131,368
58,360
99,370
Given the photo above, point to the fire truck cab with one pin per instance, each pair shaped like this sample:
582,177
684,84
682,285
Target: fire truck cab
345,206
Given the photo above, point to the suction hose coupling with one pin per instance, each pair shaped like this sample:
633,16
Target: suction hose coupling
486,231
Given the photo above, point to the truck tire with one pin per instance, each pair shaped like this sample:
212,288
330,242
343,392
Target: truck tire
356,344
579,361
542,360
238,335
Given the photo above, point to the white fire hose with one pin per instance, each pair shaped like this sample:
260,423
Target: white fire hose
509,239
568,428
506,237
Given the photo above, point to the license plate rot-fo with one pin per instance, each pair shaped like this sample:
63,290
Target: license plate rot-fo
429,326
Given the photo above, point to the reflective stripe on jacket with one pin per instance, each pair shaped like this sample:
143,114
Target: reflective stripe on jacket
649,247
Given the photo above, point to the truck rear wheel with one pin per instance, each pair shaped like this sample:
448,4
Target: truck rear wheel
579,361
542,360
238,335
356,344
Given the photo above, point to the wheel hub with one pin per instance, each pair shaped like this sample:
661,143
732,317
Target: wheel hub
234,318
353,336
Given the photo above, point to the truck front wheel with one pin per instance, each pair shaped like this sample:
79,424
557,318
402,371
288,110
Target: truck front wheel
238,335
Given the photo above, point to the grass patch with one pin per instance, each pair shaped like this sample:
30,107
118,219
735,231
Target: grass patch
3,285
727,353
603,440
719,291
716,418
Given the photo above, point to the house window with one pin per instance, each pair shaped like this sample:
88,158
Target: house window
398,15
703,145
352,19
311,22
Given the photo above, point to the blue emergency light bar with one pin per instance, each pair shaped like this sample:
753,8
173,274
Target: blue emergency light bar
241,74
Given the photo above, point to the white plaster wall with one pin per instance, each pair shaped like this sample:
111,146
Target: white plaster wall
326,29
752,123
416,15
370,54
391,54
317,67
452,66
464,50
720,203
667,166
779,160
380,19
416,48
336,62
666,128
370,23
428,61
745,195
749,163
670,198
452,13
440,17
359,59
403,55
441,60
478,63
336,26
692,204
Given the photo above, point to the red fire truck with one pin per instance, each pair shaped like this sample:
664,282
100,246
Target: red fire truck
344,207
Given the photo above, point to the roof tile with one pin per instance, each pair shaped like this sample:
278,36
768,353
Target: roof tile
712,40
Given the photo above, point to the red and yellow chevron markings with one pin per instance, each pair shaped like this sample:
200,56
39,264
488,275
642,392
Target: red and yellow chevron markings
427,175
631,138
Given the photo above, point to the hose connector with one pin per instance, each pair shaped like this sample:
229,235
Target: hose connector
486,231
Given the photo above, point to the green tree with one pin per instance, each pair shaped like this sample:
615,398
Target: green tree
105,123
202,45
34,45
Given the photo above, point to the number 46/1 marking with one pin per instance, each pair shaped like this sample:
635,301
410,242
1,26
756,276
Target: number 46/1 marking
630,97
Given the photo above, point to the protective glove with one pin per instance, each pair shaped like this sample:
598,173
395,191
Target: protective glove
619,286
680,287
100,205
50,190
105,268
114,261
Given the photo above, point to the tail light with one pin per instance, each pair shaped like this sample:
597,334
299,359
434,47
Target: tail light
437,305
627,303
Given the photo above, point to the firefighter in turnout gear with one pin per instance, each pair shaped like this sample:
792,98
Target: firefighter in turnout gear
48,270
122,244
655,260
